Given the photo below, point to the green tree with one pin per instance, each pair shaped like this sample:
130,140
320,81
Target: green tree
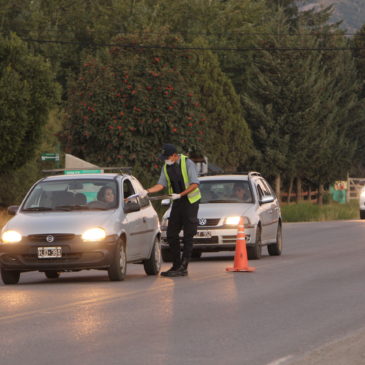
127,103
230,144
27,93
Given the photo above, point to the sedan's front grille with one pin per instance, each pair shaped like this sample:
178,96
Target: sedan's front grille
66,257
209,222
203,241
57,237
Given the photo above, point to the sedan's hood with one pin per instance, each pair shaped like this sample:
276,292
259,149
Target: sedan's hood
223,210
75,222
219,210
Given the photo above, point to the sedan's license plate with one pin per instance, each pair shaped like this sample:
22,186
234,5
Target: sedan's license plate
49,252
203,234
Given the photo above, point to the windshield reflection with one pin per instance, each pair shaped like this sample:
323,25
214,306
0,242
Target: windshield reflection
227,191
71,194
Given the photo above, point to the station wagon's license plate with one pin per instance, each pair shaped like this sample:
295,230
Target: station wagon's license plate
49,252
203,234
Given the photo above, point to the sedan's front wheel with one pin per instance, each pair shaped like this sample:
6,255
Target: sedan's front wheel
52,274
275,249
152,266
10,277
254,252
118,268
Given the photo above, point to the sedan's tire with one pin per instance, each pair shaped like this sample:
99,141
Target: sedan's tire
254,252
52,274
196,254
10,277
166,254
275,249
362,214
152,266
118,268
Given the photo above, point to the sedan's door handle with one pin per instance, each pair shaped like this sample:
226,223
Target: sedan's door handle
144,220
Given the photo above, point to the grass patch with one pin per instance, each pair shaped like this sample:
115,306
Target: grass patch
309,212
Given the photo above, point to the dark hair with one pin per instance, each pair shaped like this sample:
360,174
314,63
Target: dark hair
238,185
101,193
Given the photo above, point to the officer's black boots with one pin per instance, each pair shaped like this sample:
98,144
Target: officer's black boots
180,271
169,271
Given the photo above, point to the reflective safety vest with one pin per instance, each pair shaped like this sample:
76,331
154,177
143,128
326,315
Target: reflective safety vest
193,196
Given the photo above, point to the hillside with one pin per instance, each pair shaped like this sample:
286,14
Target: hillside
351,12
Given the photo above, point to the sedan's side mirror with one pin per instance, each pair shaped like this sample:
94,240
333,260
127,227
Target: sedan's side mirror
165,202
13,209
131,207
267,199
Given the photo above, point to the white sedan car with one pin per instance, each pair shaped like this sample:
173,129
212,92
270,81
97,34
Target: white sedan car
78,222
226,198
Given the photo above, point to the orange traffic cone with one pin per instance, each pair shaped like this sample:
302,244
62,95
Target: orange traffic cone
240,256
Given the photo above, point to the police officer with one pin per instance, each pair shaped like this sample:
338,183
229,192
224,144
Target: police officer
180,177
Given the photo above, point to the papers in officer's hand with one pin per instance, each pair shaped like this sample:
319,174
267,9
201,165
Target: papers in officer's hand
133,196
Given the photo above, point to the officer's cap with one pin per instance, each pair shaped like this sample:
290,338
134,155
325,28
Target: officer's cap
168,150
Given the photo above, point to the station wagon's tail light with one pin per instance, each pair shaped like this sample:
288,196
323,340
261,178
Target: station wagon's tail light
94,234
11,237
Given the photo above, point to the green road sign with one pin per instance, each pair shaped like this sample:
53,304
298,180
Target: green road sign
76,172
50,156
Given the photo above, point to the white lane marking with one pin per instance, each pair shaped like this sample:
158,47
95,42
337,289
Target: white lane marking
281,360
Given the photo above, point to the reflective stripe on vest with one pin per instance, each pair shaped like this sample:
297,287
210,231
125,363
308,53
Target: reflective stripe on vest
192,196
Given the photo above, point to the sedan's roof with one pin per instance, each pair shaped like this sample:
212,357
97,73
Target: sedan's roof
107,176
223,177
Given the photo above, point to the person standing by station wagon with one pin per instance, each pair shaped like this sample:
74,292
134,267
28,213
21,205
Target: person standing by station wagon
180,177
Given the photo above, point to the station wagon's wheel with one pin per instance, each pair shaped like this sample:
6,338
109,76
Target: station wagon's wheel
254,252
274,249
152,266
362,214
52,274
166,254
118,268
10,277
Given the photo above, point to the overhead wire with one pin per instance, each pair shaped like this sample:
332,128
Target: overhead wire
192,48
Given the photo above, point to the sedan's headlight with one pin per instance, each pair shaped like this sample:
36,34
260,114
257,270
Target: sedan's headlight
11,237
232,221
94,234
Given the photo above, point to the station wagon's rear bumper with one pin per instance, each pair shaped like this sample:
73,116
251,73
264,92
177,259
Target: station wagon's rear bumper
76,255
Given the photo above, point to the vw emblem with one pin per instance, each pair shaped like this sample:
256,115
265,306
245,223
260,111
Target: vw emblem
202,221
50,238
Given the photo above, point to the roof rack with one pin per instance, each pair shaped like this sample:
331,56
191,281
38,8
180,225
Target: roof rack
254,173
121,169
249,173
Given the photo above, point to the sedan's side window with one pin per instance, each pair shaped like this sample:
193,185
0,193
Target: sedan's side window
128,189
260,193
265,189
145,202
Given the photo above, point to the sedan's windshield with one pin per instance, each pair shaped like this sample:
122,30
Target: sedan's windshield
227,191
72,194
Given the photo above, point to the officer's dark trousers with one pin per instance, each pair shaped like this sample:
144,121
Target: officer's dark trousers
184,216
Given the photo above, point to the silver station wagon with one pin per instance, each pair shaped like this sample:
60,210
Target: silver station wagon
76,222
226,198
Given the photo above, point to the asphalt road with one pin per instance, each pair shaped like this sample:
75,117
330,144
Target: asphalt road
305,307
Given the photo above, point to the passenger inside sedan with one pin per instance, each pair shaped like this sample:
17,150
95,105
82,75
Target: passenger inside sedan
242,193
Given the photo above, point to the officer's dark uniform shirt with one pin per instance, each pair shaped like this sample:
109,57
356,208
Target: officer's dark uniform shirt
176,178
